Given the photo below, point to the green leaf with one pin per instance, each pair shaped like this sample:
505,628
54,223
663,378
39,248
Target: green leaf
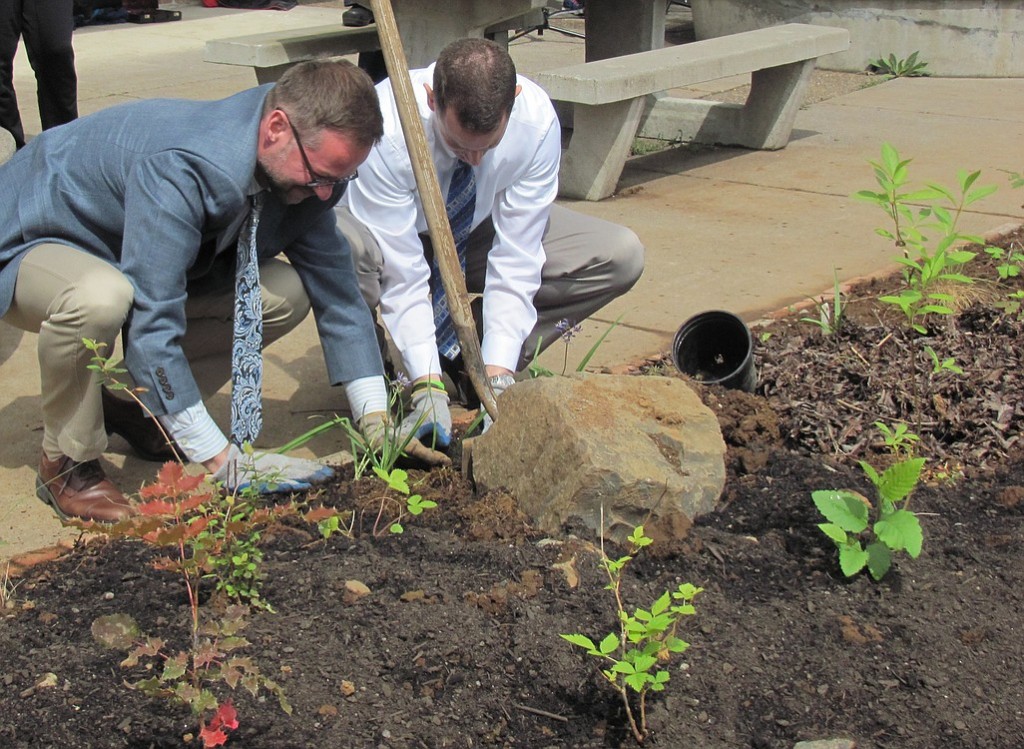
834,532
609,644
879,559
901,530
843,508
580,640
661,604
899,479
852,559
638,681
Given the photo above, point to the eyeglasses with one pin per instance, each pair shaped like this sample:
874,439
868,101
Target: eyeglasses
318,180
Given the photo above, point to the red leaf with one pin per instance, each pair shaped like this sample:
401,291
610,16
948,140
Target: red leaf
214,734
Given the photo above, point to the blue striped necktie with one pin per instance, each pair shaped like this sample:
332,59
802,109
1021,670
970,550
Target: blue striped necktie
460,206
247,344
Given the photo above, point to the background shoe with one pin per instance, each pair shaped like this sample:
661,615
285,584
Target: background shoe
127,419
357,15
80,490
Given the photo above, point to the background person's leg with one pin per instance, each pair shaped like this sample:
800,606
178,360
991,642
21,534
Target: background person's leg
10,33
47,27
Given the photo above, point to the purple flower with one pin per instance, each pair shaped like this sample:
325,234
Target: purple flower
567,329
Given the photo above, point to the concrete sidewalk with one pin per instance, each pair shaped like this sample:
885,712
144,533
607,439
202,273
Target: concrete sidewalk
724,228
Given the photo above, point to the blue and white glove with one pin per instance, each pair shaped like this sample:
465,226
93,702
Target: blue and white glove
499,384
269,472
430,420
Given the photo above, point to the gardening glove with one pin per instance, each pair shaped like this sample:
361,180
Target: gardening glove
430,416
379,432
269,472
499,384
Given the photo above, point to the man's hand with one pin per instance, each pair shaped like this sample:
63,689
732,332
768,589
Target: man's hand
430,416
269,472
379,432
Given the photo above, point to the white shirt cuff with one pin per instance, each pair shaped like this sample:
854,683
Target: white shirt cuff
196,433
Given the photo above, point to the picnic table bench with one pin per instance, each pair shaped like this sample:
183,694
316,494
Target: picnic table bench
271,53
616,99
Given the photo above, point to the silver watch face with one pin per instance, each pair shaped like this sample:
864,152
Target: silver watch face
502,381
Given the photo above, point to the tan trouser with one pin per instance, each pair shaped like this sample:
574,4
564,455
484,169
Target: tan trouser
65,295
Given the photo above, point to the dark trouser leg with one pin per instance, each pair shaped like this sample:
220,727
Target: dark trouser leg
10,31
47,29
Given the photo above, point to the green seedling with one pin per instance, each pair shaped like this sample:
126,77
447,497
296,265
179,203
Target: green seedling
830,316
898,438
942,364
895,67
1008,262
635,657
866,534
397,480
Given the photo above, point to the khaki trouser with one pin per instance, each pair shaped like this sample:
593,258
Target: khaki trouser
65,295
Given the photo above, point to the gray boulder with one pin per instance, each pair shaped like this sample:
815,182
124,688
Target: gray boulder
643,449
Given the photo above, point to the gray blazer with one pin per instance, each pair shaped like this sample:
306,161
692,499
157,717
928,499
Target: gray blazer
150,187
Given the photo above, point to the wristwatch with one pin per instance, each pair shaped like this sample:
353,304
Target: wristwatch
502,382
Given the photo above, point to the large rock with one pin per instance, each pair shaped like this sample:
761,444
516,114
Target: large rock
645,449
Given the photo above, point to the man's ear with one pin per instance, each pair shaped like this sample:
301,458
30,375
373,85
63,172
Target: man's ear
274,128
430,97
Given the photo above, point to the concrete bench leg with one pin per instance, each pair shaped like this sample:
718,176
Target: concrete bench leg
764,122
602,136
271,74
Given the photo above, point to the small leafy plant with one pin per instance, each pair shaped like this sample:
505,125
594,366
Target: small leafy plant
898,438
176,514
830,316
895,67
646,640
398,480
866,534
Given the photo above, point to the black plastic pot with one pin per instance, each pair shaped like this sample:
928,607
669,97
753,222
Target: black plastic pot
716,348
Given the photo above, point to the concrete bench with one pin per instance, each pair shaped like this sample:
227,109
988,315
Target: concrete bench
617,99
272,53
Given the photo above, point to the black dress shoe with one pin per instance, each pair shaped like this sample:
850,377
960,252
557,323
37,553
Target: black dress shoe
138,429
357,15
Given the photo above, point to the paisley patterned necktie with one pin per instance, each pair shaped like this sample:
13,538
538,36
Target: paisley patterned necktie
247,345
460,206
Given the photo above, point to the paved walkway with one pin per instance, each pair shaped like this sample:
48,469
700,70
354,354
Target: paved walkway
724,228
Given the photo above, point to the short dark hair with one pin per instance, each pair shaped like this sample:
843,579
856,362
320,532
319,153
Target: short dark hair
329,93
476,79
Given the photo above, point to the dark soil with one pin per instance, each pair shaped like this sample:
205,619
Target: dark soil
456,644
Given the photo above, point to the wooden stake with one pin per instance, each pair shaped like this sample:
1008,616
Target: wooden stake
433,204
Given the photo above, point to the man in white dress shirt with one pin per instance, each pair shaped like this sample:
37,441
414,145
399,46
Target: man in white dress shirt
536,264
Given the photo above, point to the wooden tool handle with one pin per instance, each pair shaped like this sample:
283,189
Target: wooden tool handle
433,204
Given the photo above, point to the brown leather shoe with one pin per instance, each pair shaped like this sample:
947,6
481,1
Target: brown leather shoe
80,490
126,418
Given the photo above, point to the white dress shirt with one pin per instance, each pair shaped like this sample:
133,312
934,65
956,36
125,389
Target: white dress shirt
516,183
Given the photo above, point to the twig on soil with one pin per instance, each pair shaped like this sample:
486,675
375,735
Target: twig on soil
537,711
860,356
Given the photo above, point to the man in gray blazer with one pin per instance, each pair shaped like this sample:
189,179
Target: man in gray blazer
126,221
